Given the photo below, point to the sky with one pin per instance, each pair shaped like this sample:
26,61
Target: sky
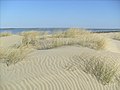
60,13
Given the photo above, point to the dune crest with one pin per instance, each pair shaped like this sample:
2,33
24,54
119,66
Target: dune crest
46,68
54,65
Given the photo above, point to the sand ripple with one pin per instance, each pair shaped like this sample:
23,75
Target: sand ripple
46,70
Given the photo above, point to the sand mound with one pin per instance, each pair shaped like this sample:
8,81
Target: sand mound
56,68
46,70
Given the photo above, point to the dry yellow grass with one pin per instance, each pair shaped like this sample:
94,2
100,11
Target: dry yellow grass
76,36
85,39
93,41
3,34
58,34
13,55
2,53
116,36
30,37
73,36
70,33
75,32
104,71
99,66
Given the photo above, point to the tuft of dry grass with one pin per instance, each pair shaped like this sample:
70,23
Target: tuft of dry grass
75,32
13,55
91,41
58,34
2,53
49,43
118,80
104,72
116,36
85,39
40,40
30,37
3,34
100,67
73,36
70,33
94,41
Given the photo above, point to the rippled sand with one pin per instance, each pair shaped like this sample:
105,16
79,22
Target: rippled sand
46,70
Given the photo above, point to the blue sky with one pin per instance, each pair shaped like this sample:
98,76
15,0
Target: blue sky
60,13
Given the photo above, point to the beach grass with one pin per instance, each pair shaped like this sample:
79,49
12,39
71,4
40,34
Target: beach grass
90,40
13,55
82,37
42,40
94,41
75,32
73,36
102,71
116,36
30,37
100,67
3,34
70,33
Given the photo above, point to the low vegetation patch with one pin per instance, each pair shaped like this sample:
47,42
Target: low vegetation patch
70,33
53,42
75,32
13,55
90,41
103,72
3,34
116,36
84,38
32,37
100,67
73,36
94,41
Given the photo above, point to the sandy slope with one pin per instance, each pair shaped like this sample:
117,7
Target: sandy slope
46,70
117,43
10,40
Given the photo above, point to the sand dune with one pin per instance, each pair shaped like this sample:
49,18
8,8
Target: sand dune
53,69
46,70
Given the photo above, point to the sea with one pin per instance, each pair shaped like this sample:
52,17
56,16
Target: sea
50,30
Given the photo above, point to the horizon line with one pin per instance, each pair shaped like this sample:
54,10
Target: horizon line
57,27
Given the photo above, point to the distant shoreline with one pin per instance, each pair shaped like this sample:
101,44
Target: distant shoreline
66,28
94,30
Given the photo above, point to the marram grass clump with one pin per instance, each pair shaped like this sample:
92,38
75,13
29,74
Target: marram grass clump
95,41
86,39
104,72
30,37
57,34
54,42
3,34
70,33
91,41
100,67
13,55
116,36
75,32
73,36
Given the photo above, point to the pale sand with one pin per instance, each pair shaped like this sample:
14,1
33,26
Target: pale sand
10,40
46,70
